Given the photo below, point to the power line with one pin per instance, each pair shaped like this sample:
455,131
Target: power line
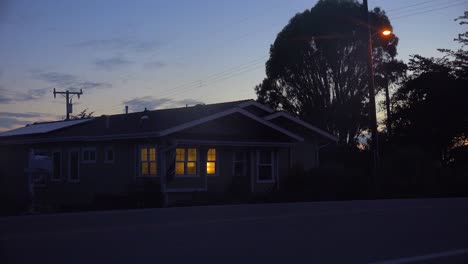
428,11
219,76
231,76
225,77
425,8
203,83
252,65
212,77
196,82
417,4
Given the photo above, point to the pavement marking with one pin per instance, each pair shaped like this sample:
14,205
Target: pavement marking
442,254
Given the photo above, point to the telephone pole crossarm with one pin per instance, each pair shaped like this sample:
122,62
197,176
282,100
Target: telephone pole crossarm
68,100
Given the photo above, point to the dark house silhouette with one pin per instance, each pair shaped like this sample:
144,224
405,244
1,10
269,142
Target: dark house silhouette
179,152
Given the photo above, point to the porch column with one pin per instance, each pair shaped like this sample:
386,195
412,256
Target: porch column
252,170
163,176
277,161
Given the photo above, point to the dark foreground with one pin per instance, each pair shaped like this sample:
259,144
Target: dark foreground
398,231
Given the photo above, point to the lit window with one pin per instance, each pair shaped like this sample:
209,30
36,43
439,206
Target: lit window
211,162
148,161
186,161
180,161
265,165
191,168
192,161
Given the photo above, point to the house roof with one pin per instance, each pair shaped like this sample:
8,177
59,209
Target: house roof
302,123
146,123
40,128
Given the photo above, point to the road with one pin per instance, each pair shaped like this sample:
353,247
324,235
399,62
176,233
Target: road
387,231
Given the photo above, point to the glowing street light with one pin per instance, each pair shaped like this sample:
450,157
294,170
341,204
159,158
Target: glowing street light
386,32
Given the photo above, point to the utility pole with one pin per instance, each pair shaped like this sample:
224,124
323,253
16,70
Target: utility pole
372,108
67,94
387,105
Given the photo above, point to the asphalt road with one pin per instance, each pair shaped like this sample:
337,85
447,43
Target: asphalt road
392,231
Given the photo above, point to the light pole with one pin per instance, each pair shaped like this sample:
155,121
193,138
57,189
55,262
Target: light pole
371,85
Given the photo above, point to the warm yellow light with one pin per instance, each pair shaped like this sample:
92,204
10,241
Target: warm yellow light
144,168
210,168
153,168
191,168
386,32
180,169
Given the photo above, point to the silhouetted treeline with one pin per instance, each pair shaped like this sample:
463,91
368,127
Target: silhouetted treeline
316,71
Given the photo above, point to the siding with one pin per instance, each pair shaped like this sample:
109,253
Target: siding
120,177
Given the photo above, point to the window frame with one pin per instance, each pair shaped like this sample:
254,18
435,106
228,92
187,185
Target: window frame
77,165
272,165
106,160
52,178
243,162
185,161
88,149
44,177
148,161
215,162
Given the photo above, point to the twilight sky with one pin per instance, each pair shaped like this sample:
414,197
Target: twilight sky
160,54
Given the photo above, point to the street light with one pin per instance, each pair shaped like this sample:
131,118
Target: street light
386,32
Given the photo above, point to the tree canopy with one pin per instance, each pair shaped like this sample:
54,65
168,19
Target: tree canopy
317,67
430,105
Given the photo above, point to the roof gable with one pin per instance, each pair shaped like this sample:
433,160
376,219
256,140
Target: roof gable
158,123
302,123
226,113
256,108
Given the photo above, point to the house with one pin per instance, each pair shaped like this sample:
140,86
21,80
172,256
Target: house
213,148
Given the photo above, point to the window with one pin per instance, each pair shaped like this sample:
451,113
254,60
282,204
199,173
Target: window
147,161
239,166
211,162
74,166
109,155
57,166
265,166
41,152
42,166
88,155
186,161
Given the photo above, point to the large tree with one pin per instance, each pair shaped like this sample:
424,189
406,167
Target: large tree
317,67
430,106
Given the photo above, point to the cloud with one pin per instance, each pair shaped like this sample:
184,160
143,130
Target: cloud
55,77
11,120
151,103
56,80
8,123
154,65
9,96
112,63
118,44
68,81
139,104
22,115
